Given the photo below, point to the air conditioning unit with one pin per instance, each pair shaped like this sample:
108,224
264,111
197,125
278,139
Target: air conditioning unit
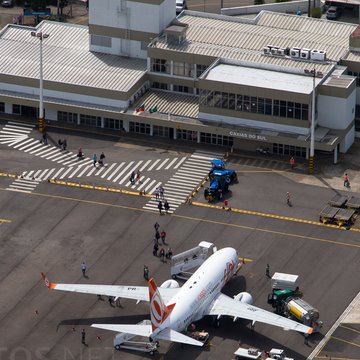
281,52
266,50
274,50
295,52
318,55
305,54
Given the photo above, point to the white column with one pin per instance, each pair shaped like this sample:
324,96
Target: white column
336,154
175,133
198,137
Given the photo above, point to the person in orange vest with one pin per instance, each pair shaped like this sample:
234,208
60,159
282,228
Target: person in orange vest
292,163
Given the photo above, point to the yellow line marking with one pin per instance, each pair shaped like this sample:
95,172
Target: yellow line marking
349,328
333,242
346,342
2,221
273,216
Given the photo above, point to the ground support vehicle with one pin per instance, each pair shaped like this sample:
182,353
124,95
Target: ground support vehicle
125,341
298,309
242,353
280,281
220,178
277,298
190,259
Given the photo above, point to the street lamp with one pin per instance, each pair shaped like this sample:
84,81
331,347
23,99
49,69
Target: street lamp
312,128
41,121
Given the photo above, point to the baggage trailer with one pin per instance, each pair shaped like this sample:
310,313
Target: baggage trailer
124,341
338,200
353,203
339,216
190,259
251,353
281,281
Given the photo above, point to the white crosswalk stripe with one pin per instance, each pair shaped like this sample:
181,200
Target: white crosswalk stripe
24,185
191,171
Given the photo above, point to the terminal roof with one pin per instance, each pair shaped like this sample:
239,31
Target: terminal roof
66,58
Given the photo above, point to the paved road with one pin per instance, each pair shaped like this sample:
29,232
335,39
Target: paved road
54,228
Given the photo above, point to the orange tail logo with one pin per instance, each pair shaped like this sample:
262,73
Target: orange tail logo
158,310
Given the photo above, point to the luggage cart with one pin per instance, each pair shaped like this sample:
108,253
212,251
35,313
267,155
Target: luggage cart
338,201
327,214
345,217
124,341
353,203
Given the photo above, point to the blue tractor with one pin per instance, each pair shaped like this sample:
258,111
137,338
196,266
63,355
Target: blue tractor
220,179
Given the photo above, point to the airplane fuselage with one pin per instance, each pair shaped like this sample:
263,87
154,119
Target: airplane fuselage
199,291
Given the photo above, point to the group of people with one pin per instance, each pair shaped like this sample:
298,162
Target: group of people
135,177
162,206
159,193
100,161
161,235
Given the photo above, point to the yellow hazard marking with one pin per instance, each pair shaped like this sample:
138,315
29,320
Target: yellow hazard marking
273,216
349,328
8,175
2,221
345,341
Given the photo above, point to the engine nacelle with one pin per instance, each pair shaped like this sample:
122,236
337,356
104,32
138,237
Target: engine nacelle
170,284
245,298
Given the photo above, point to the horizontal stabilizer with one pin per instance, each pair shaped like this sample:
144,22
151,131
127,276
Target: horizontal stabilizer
140,330
175,336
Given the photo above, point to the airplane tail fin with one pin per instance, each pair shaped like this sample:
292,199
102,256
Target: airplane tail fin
158,310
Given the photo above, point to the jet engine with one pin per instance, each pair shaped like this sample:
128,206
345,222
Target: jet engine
244,297
170,284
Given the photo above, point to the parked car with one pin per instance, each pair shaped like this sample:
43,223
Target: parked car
7,3
180,6
333,12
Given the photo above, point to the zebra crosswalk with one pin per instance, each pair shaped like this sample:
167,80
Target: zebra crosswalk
188,176
23,185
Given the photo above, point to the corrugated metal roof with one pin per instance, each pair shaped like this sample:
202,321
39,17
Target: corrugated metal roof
353,56
169,102
228,37
66,58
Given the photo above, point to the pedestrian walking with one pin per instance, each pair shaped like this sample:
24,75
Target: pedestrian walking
160,207
138,176
157,193
64,144
44,138
132,177
163,237
292,163
288,198
80,154
157,237
267,270
162,254
169,253
83,268
155,249
60,143
306,339
162,191
346,180
166,206
102,157
156,227
83,336
146,273
94,158
111,299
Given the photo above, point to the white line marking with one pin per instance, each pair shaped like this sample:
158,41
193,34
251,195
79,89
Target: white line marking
162,164
116,170
145,165
153,165
86,168
108,170
144,182
171,163
124,170
180,162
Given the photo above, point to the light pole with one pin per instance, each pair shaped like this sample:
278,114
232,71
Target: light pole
41,122
312,128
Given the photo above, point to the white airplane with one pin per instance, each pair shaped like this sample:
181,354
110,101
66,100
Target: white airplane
173,309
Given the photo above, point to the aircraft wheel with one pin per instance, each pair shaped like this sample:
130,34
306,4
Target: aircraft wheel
151,353
174,277
117,347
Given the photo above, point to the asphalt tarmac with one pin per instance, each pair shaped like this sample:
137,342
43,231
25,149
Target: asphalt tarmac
55,227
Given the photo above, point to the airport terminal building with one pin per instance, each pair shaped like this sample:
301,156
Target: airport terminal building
203,78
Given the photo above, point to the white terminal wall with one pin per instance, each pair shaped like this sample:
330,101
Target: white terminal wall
132,15
73,97
335,112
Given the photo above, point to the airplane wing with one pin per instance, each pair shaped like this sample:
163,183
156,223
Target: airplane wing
225,305
140,293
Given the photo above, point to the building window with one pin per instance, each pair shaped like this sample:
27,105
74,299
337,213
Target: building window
2,107
183,89
183,69
139,128
186,135
90,120
215,139
113,124
200,69
67,117
16,109
98,40
289,150
158,85
162,131
160,65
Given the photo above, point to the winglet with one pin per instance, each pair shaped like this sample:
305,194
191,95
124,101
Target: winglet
158,310
47,282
